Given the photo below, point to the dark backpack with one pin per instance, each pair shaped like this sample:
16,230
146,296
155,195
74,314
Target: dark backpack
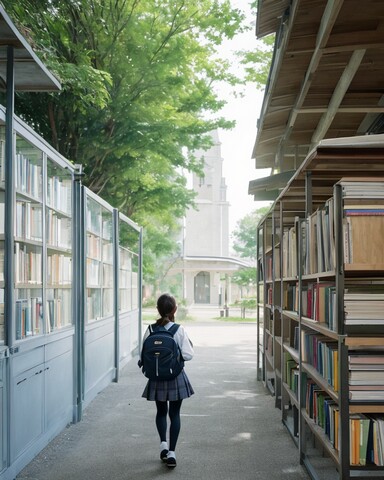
161,357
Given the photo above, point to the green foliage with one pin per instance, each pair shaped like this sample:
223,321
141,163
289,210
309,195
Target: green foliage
245,233
257,63
245,277
138,81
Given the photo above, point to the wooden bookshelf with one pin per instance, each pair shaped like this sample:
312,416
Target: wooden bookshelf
333,248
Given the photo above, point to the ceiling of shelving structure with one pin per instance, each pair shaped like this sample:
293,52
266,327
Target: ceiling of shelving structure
330,161
30,74
326,81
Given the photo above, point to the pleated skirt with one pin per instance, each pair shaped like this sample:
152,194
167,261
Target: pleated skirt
169,390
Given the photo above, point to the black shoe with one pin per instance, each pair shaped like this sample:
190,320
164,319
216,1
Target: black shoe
163,455
171,462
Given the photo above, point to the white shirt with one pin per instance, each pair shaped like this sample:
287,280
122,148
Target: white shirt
182,340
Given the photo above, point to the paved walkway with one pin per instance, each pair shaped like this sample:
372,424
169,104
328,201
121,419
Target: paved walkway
230,428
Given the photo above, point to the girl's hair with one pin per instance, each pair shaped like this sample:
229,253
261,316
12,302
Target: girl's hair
166,304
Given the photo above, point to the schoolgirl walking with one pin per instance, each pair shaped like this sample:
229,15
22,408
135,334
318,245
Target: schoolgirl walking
168,384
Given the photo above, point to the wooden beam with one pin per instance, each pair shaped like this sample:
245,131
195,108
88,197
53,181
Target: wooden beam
338,95
329,17
275,68
350,109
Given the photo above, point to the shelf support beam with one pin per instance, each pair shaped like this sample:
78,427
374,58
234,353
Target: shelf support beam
9,216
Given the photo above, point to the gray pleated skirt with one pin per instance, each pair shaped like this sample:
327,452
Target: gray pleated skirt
169,390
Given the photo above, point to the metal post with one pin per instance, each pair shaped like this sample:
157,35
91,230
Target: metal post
258,376
116,263
9,244
308,194
140,289
79,293
301,422
343,349
9,220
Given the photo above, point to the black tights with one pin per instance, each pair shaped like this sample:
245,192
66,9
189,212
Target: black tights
161,421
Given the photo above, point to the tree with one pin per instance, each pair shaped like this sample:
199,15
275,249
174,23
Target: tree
257,63
245,245
245,277
245,234
137,93
137,80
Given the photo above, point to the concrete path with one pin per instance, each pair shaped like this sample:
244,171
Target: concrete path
230,428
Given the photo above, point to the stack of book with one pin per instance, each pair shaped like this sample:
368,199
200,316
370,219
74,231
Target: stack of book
366,376
364,305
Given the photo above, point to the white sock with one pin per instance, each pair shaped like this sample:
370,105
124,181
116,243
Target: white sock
163,446
171,454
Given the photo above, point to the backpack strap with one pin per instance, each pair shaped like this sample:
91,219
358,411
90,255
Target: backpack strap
173,329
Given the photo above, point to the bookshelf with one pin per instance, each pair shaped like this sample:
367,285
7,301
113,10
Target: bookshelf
29,247
99,258
42,241
37,334
58,223
57,248
128,265
325,310
129,287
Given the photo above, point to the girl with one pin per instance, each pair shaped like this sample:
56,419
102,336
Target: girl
169,394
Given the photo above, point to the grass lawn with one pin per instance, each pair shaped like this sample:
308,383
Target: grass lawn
147,317
235,319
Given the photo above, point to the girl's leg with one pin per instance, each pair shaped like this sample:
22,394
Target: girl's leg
174,416
161,420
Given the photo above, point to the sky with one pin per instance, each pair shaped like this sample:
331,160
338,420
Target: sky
237,144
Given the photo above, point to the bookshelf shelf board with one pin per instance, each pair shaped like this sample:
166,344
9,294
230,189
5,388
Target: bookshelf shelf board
95,259
270,387
319,327
364,341
321,381
291,314
291,394
361,267
267,305
292,351
278,339
290,279
59,213
369,471
278,373
267,331
359,407
269,358
27,196
28,285
315,276
289,427
28,241
54,248
356,330
59,286
319,433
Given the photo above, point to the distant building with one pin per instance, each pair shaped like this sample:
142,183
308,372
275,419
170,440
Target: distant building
205,264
